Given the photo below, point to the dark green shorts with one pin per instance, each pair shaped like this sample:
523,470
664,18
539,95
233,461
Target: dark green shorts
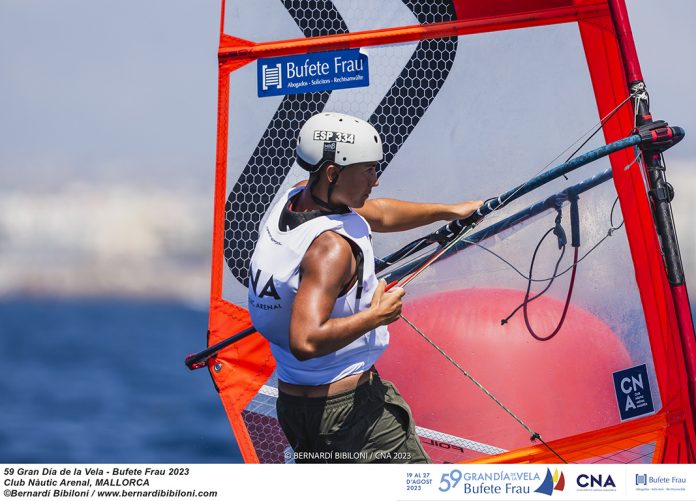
371,424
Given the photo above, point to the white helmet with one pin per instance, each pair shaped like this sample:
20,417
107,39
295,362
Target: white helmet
339,139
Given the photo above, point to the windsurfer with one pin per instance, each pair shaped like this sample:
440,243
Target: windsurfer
314,295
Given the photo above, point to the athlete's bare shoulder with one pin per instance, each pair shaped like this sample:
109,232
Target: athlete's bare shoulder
330,259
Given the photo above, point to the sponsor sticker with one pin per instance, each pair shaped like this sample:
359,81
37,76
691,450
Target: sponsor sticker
313,72
329,151
662,481
633,392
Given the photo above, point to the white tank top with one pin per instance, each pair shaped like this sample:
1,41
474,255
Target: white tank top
273,281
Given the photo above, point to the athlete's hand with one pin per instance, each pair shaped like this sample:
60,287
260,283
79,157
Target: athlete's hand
464,209
387,305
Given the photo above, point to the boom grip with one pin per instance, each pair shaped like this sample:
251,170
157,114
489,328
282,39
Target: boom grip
658,136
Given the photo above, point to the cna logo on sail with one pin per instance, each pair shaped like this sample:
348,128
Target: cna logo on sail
555,482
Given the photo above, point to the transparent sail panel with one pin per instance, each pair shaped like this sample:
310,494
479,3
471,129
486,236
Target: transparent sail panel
262,425
456,127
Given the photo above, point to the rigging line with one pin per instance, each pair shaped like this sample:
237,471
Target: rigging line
198,360
454,228
610,232
413,257
599,126
408,251
511,221
527,299
639,94
438,254
534,435
201,359
420,243
611,217
466,229
530,329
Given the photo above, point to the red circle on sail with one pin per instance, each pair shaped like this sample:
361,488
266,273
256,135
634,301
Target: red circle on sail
559,387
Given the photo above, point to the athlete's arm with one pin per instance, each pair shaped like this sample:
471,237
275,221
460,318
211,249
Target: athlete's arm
327,267
388,214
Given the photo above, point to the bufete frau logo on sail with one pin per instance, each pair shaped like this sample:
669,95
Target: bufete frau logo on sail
555,482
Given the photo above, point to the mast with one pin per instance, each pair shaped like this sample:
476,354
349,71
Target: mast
661,194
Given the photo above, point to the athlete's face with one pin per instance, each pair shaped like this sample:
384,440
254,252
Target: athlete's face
355,184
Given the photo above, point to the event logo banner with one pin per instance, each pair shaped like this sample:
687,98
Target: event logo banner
313,72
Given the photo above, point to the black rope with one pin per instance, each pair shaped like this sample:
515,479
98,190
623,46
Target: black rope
610,232
602,122
557,230
527,299
565,307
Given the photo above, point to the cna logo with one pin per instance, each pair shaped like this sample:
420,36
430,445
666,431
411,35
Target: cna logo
555,482
596,482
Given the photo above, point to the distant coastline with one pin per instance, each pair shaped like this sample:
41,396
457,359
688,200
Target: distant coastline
142,242
106,240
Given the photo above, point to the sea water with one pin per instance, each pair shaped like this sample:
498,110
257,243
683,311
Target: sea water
104,381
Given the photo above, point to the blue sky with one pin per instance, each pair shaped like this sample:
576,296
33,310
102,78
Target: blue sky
125,92
110,91
122,96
